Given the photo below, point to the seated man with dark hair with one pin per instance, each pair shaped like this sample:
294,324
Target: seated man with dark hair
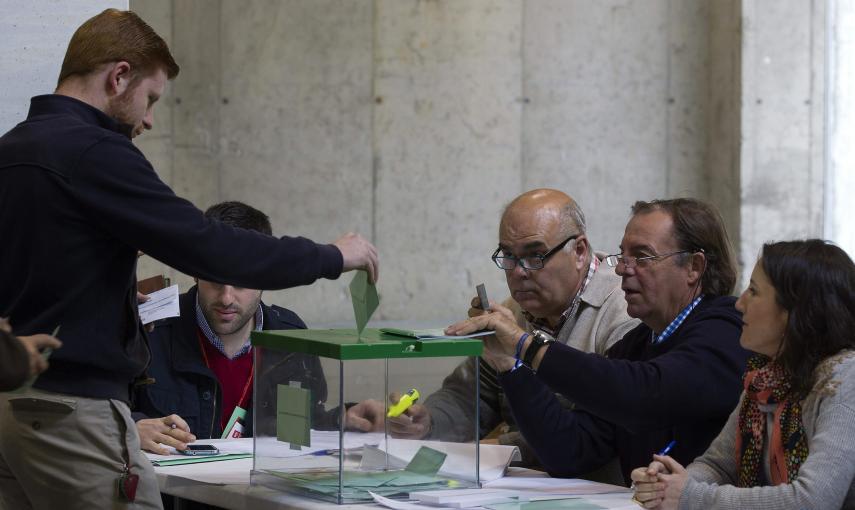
202,361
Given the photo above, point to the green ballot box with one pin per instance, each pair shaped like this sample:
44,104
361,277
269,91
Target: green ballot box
306,441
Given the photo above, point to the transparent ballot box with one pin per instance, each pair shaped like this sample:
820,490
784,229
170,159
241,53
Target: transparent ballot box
305,440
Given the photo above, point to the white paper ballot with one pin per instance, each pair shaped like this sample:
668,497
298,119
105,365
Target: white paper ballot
162,304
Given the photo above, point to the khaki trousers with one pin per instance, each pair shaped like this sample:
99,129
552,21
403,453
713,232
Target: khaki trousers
65,452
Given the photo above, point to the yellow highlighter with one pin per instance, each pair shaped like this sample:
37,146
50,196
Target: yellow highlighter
407,399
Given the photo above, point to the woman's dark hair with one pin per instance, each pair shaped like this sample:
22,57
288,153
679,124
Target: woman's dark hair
815,282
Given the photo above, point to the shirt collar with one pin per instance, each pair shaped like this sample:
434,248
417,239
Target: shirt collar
669,330
543,325
51,104
212,337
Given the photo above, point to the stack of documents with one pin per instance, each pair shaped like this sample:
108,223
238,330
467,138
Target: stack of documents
161,304
230,449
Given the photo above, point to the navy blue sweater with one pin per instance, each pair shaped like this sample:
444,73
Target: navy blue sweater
77,200
634,402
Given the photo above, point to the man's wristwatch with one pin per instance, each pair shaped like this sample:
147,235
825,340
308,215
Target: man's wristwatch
538,340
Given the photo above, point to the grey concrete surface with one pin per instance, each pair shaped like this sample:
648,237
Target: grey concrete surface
35,36
414,122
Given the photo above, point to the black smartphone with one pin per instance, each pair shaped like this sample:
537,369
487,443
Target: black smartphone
200,449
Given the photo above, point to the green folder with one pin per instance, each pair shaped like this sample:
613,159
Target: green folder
198,459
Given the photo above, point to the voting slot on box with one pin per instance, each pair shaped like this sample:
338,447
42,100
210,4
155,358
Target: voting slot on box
303,442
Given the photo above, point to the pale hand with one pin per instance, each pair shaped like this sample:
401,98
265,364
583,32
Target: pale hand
499,361
501,321
142,298
358,253
34,344
414,423
674,477
475,309
366,416
170,430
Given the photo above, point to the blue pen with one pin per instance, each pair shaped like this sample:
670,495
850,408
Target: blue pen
321,453
668,447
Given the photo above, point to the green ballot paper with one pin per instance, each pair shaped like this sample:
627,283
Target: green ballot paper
365,299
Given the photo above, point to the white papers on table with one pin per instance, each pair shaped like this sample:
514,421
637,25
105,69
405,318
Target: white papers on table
523,489
538,487
460,462
465,498
227,472
162,304
270,447
399,505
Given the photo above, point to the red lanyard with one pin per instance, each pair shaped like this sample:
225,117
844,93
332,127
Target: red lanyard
244,396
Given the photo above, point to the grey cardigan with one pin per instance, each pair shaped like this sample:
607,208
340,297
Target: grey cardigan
826,479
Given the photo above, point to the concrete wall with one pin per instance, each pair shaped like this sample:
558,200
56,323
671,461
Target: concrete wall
35,36
782,163
414,122
840,123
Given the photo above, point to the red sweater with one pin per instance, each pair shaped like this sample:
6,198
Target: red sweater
233,376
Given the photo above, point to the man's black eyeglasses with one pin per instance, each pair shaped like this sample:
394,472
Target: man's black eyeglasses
508,262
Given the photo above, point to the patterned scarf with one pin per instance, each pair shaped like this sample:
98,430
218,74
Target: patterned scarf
765,382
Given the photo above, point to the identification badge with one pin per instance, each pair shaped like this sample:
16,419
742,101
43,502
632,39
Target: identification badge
235,427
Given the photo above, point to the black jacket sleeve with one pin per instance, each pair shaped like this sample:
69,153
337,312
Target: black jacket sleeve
704,366
14,362
131,203
567,443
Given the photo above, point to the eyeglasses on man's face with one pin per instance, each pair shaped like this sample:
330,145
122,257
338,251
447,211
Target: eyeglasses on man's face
629,261
508,262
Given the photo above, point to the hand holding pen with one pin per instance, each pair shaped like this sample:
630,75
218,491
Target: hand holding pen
660,484
39,348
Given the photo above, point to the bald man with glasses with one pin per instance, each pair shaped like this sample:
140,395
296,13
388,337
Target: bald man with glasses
670,382
557,285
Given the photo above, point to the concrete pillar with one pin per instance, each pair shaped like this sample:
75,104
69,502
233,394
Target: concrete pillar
781,162
723,118
840,188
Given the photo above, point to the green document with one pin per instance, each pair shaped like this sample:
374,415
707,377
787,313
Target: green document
426,461
197,459
293,415
357,484
365,300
